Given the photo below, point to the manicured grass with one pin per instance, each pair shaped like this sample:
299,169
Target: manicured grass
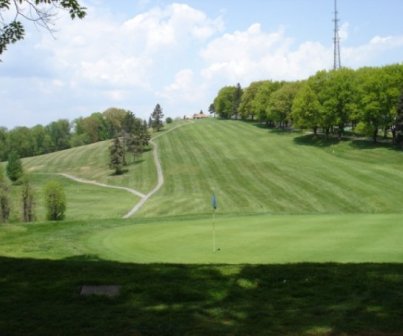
41,297
252,169
308,200
83,201
91,162
257,239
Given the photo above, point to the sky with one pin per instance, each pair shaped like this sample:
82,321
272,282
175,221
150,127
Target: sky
133,54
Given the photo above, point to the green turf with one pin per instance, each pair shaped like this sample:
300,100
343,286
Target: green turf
308,200
91,162
258,239
253,239
83,201
254,170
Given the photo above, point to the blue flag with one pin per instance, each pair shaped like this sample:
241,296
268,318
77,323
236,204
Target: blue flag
214,202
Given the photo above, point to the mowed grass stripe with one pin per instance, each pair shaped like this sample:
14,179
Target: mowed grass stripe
91,162
256,239
253,169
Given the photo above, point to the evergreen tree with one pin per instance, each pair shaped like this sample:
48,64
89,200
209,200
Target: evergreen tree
14,167
28,203
55,199
117,156
156,118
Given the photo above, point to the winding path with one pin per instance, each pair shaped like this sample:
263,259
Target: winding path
143,197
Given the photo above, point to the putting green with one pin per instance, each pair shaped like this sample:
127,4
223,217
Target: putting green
257,239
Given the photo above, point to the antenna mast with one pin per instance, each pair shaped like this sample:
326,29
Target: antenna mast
336,40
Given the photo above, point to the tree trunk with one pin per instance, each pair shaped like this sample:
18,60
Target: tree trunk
375,134
315,130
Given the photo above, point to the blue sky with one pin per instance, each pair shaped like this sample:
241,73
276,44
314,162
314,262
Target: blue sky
134,54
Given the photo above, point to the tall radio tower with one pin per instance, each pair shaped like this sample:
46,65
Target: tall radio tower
336,39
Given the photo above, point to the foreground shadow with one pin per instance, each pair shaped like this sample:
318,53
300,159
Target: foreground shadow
41,297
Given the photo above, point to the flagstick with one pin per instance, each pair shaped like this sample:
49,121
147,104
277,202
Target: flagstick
214,249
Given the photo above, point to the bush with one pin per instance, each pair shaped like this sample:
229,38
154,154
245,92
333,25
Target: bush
14,167
169,120
55,200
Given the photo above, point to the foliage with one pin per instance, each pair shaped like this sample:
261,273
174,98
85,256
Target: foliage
156,118
306,109
117,156
246,108
41,12
262,99
398,126
14,167
225,101
28,201
4,197
344,97
280,104
211,108
55,200
135,135
169,120
237,100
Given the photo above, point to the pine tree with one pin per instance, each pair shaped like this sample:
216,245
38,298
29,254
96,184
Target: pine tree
14,167
28,203
156,118
117,156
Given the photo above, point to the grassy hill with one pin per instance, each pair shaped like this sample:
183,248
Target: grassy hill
251,170
289,204
254,170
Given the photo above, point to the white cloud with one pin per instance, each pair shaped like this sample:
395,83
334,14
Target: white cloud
254,54
358,56
175,55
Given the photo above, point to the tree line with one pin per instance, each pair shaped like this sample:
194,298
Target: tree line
369,100
63,134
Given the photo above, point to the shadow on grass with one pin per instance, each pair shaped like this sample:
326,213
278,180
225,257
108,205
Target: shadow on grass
41,297
370,144
317,140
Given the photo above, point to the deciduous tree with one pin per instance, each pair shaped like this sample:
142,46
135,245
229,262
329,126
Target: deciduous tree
41,12
4,197
28,201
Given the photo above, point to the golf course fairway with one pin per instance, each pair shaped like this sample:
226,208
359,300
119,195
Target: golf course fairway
257,239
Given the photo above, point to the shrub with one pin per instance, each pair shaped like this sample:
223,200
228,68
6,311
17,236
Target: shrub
55,200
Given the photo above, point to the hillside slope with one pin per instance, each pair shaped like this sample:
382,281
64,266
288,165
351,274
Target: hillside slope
255,170
251,170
